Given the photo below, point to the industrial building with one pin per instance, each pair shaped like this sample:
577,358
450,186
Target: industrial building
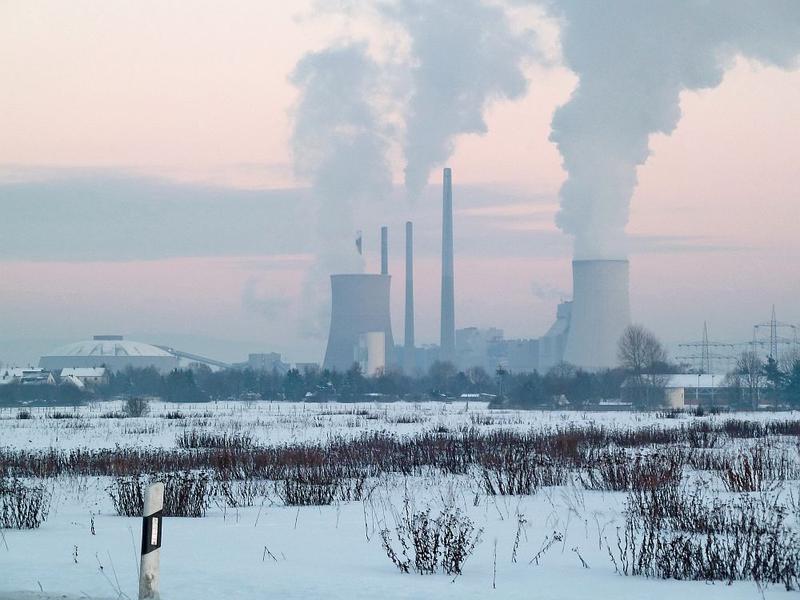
264,361
110,351
585,332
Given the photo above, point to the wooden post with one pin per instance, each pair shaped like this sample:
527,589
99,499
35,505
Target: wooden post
149,572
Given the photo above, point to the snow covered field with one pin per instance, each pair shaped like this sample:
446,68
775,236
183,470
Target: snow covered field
562,534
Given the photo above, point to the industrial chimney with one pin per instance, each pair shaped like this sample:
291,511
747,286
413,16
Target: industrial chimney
447,343
600,312
359,306
409,360
384,250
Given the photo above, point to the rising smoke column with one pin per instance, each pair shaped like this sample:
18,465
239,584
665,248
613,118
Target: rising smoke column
633,60
339,146
464,54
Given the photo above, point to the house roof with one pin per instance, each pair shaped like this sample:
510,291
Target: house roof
83,372
710,380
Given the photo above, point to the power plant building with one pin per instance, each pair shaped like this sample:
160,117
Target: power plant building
110,351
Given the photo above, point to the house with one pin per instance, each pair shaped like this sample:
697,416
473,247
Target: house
26,376
681,390
86,375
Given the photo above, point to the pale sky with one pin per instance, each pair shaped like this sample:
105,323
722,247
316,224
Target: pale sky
146,188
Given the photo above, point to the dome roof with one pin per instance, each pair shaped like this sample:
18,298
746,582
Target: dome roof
109,346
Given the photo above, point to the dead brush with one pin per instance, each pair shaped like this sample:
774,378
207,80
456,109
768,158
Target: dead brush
239,493
23,506
617,471
744,539
514,472
186,494
702,435
428,544
757,468
321,485
194,439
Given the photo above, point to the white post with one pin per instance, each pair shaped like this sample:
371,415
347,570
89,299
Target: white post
151,542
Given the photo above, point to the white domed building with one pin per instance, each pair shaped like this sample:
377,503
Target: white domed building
110,351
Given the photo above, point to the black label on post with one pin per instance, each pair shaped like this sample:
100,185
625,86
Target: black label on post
151,533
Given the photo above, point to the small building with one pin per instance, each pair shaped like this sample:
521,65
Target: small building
681,390
699,389
26,376
264,361
86,375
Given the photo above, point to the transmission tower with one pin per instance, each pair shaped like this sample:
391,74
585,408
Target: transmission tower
703,355
773,335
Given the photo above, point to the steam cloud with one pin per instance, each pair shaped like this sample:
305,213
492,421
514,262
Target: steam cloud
464,55
339,145
633,60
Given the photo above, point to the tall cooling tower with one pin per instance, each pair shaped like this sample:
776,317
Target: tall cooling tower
359,305
600,312
447,343
409,360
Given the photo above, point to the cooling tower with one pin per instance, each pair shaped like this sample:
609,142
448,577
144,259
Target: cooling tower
600,312
359,305
409,362
447,343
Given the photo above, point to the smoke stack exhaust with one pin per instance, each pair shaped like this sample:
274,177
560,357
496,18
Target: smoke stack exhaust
384,250
447,342
409,362
600,312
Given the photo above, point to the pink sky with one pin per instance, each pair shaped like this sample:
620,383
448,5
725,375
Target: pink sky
201,95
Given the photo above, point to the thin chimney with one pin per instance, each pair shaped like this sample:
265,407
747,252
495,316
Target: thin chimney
384,250
409,360
448,318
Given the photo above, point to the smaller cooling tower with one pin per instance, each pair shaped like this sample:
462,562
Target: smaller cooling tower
600,312
359,305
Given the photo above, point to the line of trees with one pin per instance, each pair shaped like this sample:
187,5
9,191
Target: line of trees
755,382
641,378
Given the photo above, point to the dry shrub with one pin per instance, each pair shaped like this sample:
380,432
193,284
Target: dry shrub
23,506
617,471
756,469
320,485
203,439
186,494
513,472
670,535
136,407
427,544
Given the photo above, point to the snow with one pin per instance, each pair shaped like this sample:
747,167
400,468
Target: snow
321,552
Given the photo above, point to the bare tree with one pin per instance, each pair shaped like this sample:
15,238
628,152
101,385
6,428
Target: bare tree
750,369
641,354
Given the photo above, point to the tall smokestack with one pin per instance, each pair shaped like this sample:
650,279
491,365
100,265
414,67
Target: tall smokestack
447,341
600,312
384,250
409,362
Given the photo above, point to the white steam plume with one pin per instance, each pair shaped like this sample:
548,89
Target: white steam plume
633,60
464,54
339,147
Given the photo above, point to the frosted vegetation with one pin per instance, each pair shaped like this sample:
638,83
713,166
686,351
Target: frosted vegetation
360,500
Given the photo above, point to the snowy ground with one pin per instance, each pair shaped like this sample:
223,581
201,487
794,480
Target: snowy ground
275,551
